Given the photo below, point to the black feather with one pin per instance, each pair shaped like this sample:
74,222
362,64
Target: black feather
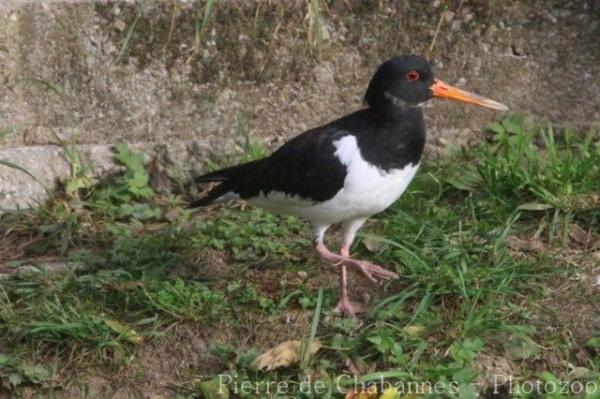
228,179
390,134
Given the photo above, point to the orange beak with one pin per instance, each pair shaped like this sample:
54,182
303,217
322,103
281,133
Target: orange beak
443,90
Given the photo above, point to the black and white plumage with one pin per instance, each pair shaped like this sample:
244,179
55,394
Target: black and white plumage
349,169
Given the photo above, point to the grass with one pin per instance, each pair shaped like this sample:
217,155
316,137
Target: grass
126,40
200,26
315,29
236,281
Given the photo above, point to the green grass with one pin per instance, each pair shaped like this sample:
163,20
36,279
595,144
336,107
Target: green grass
126,40
315,30
245,281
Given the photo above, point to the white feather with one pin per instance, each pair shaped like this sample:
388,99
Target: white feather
367,190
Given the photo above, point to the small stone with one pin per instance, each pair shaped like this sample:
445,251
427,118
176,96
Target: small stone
448,16
302,274
119,25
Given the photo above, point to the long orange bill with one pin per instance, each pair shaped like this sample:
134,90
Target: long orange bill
443,90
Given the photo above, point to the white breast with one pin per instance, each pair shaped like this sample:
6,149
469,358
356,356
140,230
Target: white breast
367,190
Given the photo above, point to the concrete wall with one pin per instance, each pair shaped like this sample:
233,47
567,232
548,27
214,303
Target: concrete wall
255,64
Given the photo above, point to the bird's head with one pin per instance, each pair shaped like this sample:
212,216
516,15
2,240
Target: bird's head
409,81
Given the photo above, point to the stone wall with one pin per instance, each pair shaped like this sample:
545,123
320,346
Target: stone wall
70,70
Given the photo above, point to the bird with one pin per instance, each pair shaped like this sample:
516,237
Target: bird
349,169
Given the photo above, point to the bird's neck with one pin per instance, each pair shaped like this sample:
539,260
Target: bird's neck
389,109
395,136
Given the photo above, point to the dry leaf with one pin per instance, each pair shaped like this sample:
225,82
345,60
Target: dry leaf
352,366
578,234
372,245
284,355
370,392
124,332
392,393
413,330
518,244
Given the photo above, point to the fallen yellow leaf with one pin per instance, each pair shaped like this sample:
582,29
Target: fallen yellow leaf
413,330
284,355
390,393
124,332
369,393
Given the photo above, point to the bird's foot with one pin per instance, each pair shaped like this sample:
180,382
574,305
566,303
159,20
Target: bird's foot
347,308
373,272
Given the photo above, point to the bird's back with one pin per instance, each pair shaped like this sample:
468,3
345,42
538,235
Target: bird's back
362,154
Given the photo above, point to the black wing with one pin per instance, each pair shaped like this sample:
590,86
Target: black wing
305,166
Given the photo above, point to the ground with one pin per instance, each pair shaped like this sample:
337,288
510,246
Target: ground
114,290
158,72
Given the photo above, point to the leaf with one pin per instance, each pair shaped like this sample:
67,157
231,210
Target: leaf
518,244
513,124
76,183
15,379
391,393
578,234
466,350
497,128
212,389
36,374
372,245
369,392
534,206
413,330
521,348
547,376
593,343
581,373
285,354
124,332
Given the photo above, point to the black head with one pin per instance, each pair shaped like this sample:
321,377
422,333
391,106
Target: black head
405,79
408,81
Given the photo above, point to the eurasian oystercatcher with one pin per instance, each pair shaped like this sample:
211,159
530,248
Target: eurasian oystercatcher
349,169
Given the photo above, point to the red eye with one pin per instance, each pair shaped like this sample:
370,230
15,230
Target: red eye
412,75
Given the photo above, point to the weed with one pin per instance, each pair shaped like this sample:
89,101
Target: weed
126,39
124,198
315,29
251,151
77,179
561,173
463,295
14,373
200,26
187,300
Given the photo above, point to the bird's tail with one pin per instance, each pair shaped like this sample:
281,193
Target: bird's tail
229,180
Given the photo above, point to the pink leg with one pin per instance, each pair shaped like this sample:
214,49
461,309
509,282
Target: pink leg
371,271
344,306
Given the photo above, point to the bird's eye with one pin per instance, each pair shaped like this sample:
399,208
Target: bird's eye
412,75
